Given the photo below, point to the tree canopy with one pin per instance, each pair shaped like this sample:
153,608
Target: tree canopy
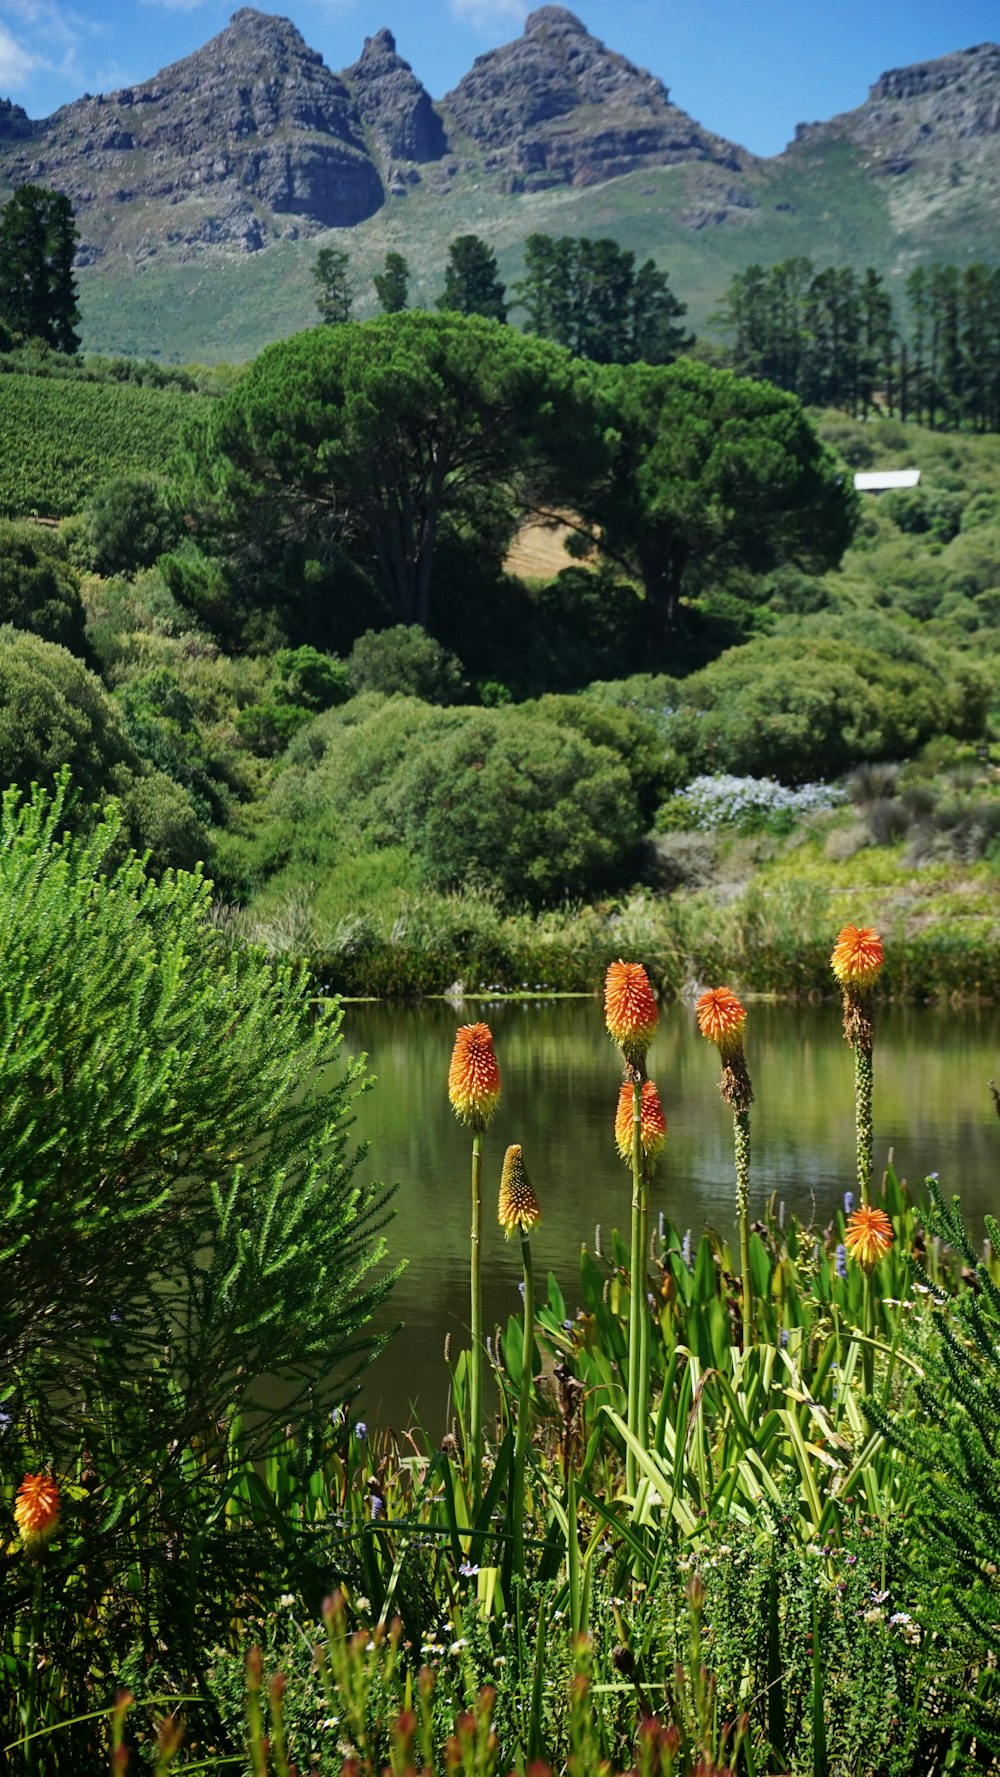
711,469
381,437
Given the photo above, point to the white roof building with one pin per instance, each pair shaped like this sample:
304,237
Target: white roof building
879,481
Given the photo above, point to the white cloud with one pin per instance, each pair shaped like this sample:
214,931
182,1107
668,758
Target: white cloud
489,16
17,64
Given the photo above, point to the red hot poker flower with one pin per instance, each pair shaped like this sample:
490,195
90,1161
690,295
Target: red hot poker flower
36,1510
722,1019
518,1206
857,956
630,1008
868,1236
474,1077
654,1123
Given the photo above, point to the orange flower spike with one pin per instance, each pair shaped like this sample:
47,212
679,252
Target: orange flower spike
868,1236
630,1008
36,1510
722,1019
518,1206
857,956
473,1077
654,1123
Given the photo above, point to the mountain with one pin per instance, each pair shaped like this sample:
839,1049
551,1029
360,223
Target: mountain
558,108
252,143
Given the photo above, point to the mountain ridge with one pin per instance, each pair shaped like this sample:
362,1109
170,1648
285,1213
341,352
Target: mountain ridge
253,143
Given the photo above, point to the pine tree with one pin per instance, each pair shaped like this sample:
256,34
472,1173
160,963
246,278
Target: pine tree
472,284
37,289
333,289
392,284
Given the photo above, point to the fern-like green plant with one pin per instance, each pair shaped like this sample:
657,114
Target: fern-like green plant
955,1440
187,1254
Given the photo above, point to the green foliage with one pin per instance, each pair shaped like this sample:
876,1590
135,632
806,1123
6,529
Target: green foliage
63,440
392,284
39,590
955,1441
38,239
472,284
506,798
131,524
55,714
587,295
381,439
796,708
304,682
188,1257
710,470
407,661
331,275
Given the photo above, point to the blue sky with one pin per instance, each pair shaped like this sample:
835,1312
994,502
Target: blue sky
750,69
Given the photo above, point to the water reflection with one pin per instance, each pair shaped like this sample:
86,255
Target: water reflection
561,1076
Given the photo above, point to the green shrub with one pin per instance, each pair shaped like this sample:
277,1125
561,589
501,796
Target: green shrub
187,1256
55,714
304,682
408,661
38,588
131,524
504,798
796,708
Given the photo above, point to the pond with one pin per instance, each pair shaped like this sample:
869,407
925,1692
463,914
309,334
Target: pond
933,1112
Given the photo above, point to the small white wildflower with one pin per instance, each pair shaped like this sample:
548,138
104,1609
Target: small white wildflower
363,1603
457,1646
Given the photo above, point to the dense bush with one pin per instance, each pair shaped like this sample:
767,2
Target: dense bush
408,661
54,713
187,1256
131,523
38,588
795,708
504,797
304,682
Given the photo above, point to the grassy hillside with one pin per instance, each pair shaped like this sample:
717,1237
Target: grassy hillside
823,200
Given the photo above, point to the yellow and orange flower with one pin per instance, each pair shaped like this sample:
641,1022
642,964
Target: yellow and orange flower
868,1235
473,1077
518,1207
653,1122
36,1510
630,1008
722,1019
857,956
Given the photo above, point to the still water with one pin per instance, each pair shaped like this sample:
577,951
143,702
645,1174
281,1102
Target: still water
933,1111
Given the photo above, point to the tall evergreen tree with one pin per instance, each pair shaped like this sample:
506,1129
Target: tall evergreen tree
587,295
392,284
472,284
333,289
37,289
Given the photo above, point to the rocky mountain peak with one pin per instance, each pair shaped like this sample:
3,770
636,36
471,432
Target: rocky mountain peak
394,106
557,106
549,21
922,111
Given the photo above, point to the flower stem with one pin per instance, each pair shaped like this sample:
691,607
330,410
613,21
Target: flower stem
29,1744
863,1077
636,1291
868,1328
741,1133
475,1426
523,1407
